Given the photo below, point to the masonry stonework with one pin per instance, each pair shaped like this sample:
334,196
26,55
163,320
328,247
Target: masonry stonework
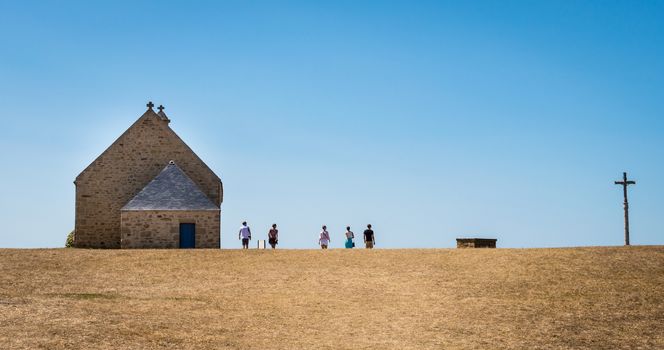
476,242
123,169
161,228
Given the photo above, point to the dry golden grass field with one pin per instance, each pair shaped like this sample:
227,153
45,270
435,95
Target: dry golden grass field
571,298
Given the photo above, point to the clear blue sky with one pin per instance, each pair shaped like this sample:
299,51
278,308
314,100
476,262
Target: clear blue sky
430,120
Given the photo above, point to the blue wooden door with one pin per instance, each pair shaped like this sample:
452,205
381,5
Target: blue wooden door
187,235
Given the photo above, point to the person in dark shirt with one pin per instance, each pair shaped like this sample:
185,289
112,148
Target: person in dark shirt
273,236
369,237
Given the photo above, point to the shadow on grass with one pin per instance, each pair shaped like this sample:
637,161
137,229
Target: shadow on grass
90,296
115,296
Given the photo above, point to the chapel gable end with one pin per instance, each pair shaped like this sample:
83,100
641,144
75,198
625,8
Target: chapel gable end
126,167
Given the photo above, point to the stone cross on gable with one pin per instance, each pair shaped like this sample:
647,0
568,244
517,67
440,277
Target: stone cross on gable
150,105
161,108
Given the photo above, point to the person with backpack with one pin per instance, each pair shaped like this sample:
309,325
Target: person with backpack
369,237
349,238
273,236
324,238
245,235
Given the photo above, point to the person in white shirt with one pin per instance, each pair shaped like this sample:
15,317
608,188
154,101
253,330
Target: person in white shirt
245,235
324,238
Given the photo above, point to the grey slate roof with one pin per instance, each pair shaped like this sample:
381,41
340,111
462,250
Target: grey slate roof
172,189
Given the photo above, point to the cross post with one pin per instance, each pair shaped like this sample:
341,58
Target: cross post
624,184
161,108
150,105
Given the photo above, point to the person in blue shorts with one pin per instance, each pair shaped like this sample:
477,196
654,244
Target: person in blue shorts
349,238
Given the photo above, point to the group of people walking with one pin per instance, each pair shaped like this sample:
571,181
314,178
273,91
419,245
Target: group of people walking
323,238
369,238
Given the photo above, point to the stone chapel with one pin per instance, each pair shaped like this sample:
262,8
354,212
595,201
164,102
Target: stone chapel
148,190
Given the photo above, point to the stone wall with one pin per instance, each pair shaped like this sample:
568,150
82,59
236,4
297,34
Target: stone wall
122,171
476,242
161,228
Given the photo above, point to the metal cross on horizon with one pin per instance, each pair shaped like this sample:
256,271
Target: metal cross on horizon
150,104
624,184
